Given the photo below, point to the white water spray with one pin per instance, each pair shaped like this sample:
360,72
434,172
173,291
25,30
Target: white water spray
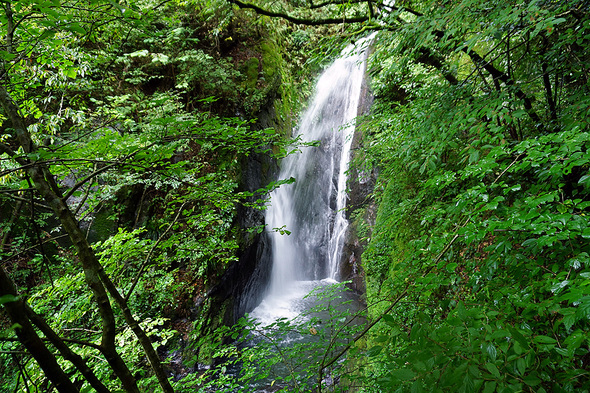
312,209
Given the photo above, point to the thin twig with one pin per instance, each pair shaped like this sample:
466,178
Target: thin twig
285,359
148,257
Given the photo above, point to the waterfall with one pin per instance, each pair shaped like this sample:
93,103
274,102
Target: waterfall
306,219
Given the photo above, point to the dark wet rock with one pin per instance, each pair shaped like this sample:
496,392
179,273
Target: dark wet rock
360,207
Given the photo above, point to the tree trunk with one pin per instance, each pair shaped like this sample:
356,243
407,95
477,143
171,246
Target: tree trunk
66,352
144,340
31,340
45,185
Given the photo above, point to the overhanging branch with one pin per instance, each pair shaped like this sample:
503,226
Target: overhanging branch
297,20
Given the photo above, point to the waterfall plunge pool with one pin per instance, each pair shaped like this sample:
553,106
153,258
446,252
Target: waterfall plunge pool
295,334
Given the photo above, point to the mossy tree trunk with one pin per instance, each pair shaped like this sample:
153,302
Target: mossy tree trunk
29,337
94,274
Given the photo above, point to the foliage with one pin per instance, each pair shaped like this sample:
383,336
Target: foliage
288,354
118,104
483,199
477,270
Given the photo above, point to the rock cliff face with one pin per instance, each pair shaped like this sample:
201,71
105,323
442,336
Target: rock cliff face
244,283
361,208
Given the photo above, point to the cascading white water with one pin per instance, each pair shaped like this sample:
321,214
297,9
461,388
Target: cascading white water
312,209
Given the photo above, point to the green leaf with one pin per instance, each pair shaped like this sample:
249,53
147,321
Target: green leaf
77,28
374,351
6,56
160,58
468,384
574,341
8,298
529,243
451,267
403,374
584,308
71,72
139,53
549,197
518,337
541,339
381,338
578,261
531,380
417,386
461,312
585,180
493,370
491,351
556,288
519,113
569,320
489,387
388,319
521,366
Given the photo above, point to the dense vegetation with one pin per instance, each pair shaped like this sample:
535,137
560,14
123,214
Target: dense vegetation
120,178
138,117
481,134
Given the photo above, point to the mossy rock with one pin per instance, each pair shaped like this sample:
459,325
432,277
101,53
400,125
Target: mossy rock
103,226
272,61
250,70
213,315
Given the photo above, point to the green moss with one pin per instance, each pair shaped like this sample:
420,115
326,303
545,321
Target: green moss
250,70
103,225
390,245
279,79
272,60
205,336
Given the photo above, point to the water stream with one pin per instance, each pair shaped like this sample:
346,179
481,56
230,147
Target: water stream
312,208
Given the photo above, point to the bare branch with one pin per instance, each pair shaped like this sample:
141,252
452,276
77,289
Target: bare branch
297,20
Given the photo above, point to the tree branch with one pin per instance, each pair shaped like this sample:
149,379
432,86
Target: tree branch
313,6
426,56
70,340
66,352
148,257
8,228
500,76
299,21
11,153
30,339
